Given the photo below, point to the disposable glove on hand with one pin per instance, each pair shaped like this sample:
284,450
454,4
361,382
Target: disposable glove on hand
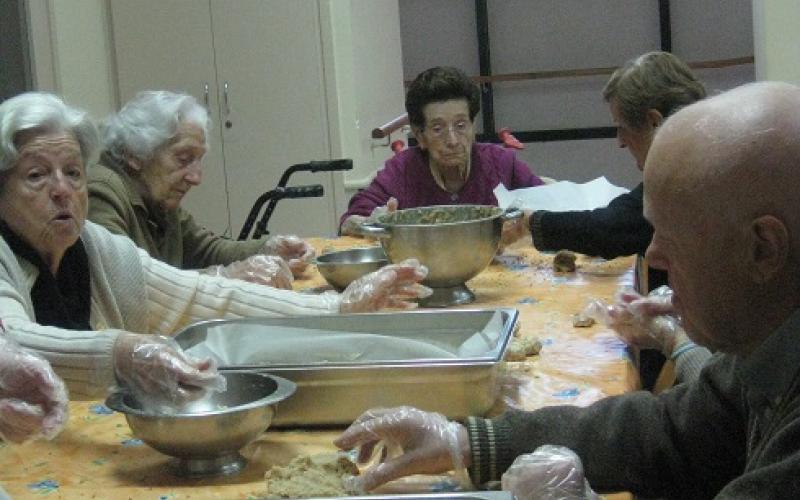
549,473
419,442
391,287
159,374
644,322
351,225
33,399
514,230
293,249
269,270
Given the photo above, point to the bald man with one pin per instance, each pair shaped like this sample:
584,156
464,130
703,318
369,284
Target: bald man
721,190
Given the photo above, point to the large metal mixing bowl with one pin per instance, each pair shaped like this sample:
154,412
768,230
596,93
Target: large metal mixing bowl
206,435
342,267
455,242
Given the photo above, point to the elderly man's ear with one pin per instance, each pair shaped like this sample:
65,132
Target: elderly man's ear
770,248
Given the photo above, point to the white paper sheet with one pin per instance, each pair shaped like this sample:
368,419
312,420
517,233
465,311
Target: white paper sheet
560,196
286,345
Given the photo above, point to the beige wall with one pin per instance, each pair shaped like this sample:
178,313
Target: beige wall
367,84
71,52
776,39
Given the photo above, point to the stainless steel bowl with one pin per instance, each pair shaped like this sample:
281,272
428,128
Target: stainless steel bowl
455,242
342,267
206,435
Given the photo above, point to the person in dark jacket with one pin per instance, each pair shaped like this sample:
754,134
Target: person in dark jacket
720,183
640,95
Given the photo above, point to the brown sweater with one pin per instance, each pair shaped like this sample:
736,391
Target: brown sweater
172,237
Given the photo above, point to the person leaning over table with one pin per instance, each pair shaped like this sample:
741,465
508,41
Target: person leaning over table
734,433
91,302
447,167
640,95
153,150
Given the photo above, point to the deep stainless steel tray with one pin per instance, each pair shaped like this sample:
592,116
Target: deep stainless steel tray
330,393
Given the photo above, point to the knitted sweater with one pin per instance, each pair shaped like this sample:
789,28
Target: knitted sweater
130,291
732,433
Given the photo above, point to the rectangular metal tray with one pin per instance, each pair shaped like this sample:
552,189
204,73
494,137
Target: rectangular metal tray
332,393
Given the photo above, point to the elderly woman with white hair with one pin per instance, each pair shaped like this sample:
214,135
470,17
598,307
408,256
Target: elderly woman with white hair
154,147
92,302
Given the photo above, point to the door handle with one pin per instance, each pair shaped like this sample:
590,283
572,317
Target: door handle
225,98
205,94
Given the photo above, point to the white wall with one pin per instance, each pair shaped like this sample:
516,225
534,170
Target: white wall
777,40
71,52
366,87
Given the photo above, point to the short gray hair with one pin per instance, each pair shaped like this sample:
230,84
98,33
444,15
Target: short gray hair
148,121
655,80
40,111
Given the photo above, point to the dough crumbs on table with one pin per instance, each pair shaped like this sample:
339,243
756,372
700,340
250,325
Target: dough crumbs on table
564,261
520,348
310,476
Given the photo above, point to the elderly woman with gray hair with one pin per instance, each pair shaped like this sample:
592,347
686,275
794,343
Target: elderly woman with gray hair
92,302
154,147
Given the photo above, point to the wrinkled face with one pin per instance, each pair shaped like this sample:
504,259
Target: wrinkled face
448,133
697,245
43,198
175,168
637,141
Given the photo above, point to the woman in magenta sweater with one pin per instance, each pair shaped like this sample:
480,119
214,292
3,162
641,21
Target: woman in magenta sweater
448,167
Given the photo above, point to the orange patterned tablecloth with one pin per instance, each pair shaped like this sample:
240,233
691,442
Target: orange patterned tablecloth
96,456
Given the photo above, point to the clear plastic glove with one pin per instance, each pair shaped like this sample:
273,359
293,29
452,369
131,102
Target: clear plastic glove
293,249
269,270
514,230
33,400
390,287
351,225
418,442
549,473
643,322
159,374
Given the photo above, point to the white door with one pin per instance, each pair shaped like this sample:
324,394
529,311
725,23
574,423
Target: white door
167,44
269,53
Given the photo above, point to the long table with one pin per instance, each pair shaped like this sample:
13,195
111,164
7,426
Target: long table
97,457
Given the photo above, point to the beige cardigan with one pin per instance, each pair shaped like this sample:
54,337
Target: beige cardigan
132,292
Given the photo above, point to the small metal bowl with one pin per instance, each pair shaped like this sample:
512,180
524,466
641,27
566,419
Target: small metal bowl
206,435
342,267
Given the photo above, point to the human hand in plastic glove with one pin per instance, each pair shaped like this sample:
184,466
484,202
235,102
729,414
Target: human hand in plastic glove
157,371
350,227
549,473
269,270
33,400
390,287
293,249
644,322
429,443
514,230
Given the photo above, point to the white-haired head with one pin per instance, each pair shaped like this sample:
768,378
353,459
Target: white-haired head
46,113
148,121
